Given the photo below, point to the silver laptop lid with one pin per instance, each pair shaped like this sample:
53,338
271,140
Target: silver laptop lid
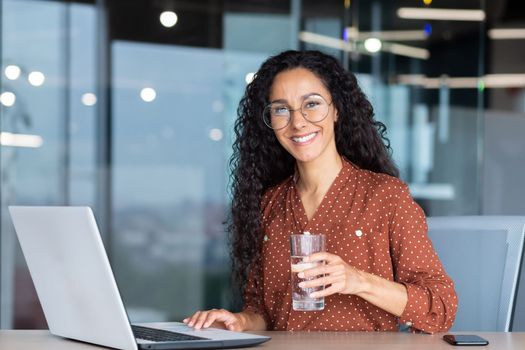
72,275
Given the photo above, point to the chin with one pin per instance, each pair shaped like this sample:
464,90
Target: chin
305,157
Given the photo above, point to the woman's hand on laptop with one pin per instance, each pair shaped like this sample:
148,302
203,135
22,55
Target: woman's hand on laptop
217,318
220,318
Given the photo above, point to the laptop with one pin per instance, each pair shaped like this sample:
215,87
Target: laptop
78,292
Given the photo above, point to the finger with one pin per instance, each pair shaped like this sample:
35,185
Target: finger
236,326
212,318
323,281
321,256
333,289
193,318
202,318
211,315
219,318
322,270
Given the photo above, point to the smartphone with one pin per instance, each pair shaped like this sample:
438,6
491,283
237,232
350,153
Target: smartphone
464,339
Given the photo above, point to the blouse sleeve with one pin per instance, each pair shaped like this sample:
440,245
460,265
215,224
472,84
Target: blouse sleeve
432,301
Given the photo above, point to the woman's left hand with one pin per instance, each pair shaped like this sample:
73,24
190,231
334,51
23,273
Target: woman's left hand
336,275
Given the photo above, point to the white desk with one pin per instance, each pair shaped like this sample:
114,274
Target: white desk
43,340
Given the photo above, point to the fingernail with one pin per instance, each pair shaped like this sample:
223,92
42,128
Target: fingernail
185,320
305,259
300,275
301,284
313,295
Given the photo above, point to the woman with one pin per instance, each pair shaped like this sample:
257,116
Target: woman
310,157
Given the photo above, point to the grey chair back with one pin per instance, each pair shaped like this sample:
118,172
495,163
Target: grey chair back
482,254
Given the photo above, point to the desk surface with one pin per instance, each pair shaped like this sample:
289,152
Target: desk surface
43,340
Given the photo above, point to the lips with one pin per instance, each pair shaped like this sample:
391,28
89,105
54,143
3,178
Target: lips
304,138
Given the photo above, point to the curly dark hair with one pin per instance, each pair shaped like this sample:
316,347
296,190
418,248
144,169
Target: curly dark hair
260,162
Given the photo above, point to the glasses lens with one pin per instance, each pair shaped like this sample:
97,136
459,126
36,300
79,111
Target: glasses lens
276,116
314,108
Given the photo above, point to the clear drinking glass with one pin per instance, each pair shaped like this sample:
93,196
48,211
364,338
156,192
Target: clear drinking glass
301,246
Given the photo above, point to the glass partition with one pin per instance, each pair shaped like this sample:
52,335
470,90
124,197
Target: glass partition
46,131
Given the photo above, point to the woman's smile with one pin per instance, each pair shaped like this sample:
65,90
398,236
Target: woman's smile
304,139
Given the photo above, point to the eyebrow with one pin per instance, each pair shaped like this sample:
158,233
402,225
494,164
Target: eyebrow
282,100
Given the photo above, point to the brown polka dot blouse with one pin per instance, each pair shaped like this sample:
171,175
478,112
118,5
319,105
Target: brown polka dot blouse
371,221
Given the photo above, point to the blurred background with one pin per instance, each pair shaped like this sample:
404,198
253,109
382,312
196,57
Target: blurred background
128,105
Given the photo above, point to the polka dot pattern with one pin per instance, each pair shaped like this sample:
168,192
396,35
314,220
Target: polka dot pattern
371,221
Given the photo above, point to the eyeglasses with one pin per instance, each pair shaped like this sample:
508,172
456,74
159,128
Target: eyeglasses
314,108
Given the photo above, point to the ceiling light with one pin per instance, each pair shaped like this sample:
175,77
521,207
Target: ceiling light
20,140
12,72
36,78
506,33
387,35
325,40
168,19
440,14
408,51
398,49
493,81
504,80
148,94
372,45
89,99
216,134
248,78
7,98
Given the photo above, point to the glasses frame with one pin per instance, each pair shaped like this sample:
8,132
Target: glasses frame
290,111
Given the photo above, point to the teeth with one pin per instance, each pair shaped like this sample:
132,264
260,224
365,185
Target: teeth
304,138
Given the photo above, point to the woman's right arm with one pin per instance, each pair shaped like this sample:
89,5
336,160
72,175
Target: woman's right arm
220,318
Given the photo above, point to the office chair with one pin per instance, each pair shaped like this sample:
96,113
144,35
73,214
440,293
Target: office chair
482,254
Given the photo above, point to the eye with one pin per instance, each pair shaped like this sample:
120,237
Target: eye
279,110
311,104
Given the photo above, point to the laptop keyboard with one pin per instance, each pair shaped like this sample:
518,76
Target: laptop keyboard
159,335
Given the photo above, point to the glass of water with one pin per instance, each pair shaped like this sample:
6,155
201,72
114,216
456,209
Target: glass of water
301,246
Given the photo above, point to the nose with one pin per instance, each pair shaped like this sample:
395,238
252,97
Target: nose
297,119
